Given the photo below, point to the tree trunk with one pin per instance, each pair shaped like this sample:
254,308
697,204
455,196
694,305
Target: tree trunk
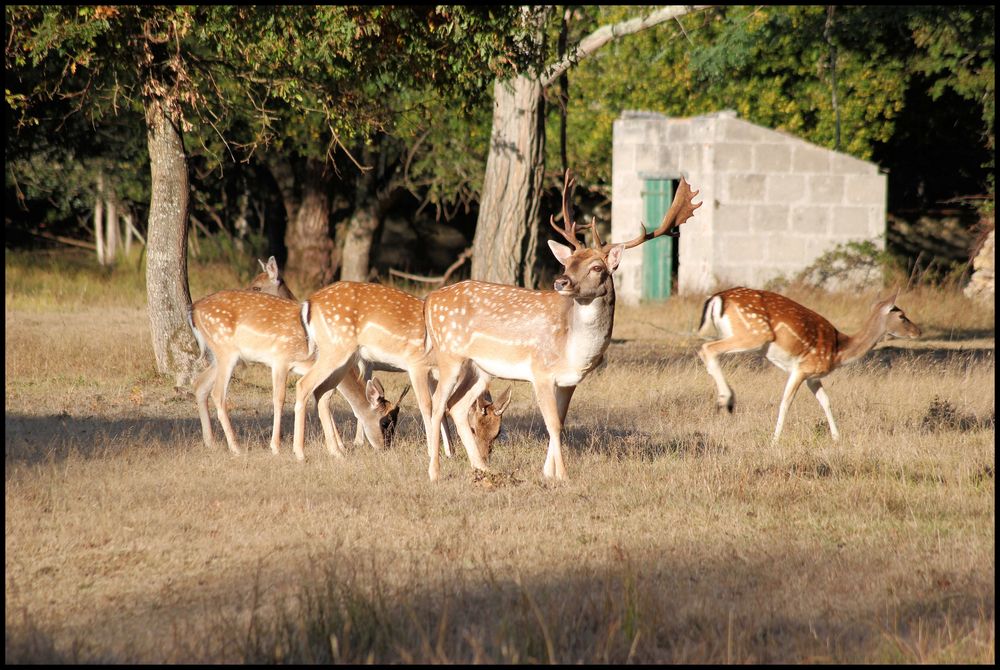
310,249
507,230
169,298
99,220
504,246
358,242
112,233
129,228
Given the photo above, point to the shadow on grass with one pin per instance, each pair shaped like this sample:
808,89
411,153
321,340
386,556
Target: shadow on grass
37,439
882,357
642,607
615,442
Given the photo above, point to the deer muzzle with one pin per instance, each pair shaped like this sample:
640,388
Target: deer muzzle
563,284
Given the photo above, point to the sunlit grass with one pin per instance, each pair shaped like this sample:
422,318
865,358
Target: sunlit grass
682,535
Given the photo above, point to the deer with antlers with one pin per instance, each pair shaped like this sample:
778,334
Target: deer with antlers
792,337
382,328
552,339
262,324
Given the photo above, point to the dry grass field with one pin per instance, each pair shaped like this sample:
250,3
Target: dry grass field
682,534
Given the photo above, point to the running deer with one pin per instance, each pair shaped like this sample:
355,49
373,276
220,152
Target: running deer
796,339
552,339
377,327
262,324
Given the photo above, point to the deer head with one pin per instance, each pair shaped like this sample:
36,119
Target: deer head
270,281
896,322
485,417
388,411
587,271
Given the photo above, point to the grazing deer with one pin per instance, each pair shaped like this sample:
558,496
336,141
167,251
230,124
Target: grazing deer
552,339
262,324
375,326
485,417
794,338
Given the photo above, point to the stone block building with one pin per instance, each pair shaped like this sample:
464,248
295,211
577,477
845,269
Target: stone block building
773,203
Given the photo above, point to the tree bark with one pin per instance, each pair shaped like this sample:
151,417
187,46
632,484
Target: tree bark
307,236
169,298
503,249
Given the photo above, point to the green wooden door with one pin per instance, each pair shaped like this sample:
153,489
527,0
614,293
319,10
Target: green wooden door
658,254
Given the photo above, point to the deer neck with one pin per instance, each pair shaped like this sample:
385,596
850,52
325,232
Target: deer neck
850,348
589,323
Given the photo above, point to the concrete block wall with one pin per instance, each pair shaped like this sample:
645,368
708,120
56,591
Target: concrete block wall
773,202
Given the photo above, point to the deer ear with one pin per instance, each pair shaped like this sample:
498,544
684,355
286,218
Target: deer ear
262,266
615,256
560,251
502,403
272,268
483,402
374,392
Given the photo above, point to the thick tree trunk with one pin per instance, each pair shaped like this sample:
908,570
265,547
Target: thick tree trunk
307,236
169,298
504,246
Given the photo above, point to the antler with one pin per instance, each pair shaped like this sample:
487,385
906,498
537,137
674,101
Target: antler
681,209
568,230
598,242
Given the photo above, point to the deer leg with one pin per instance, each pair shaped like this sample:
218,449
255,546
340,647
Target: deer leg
279,376
425,389
330,367
223,373
203,386
324,394
563,395
545,392
334,444
365,369
445,439
794,381
461,401
816,386
448,374
709,353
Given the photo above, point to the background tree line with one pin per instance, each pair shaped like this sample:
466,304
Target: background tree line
300,131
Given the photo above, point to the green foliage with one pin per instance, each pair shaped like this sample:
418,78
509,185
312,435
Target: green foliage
772,65
307,82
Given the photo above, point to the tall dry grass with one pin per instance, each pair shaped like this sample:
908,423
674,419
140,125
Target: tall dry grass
683,535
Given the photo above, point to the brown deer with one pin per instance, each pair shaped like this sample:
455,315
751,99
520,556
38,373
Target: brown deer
552,339
796,339
485,418
378,327
262,324
270,281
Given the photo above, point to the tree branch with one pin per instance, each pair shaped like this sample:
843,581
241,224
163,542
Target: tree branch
443,279
597,39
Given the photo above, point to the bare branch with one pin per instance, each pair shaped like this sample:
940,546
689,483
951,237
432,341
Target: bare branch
443,279
597,39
